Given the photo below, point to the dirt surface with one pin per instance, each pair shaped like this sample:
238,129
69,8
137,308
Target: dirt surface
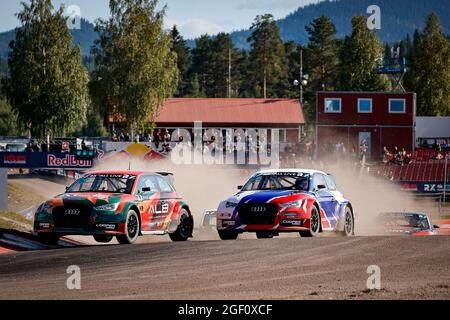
289,268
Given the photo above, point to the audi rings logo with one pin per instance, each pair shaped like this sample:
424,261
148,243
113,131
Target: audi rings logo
72,212
258,209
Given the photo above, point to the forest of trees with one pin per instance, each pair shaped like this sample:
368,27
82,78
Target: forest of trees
129,73
270,67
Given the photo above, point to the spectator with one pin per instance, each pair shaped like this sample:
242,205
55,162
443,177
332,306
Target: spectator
29,148
407,160
396,152
363,149
445,146
385,155
436,145
167,136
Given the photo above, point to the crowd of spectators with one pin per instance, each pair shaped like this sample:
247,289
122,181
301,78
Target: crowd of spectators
437,145
68,145
396,156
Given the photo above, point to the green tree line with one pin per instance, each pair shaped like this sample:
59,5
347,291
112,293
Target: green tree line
135,65
270,67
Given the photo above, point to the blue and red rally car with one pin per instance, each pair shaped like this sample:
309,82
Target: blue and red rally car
276,201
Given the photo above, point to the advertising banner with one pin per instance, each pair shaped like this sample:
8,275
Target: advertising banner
40,160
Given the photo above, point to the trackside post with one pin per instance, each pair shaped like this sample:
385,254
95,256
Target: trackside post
3,189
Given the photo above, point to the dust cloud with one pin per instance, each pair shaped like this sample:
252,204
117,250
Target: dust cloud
202,186
205,186
372,195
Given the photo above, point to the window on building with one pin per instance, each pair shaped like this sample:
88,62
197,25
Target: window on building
397,106
364,105
333,105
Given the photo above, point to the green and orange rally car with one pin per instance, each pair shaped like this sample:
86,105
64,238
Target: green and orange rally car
123,204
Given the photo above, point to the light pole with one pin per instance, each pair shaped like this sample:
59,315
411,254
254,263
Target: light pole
301,76
303,82
445,178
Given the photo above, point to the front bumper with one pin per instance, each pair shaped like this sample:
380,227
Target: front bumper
95,224
282,223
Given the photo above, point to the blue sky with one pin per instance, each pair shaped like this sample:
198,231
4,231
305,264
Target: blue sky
193,17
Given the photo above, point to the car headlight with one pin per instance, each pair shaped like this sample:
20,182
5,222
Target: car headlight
230,204
44,207
292,204
108,207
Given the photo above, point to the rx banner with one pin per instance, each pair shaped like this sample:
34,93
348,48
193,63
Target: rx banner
432,187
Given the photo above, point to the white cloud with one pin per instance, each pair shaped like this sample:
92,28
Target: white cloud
193,28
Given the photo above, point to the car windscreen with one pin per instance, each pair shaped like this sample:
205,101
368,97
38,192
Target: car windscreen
281,181
108,183
406,221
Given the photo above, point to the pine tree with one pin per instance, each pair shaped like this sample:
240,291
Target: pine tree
212,57
202,57
47,83
184,60
358,56
194,88
225,81
429,74
323,53
8,119
136,71
267,56
286,87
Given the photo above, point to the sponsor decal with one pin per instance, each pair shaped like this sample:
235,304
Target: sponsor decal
296,223
113,176
72,212
432,187
14,159
67,161
258,209
228,223
106,226
289,174
160,208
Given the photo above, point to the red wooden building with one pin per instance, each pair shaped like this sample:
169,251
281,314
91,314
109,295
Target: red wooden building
377,119
285,115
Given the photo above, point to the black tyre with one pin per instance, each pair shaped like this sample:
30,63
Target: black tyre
100,238
349,223
49,238
132,229
314,228
265,234
228,235
185,228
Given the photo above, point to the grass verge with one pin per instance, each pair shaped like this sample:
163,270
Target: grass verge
21,199
14,221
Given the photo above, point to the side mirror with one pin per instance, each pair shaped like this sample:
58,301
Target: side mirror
146,189
240,187
67,188
436,227
321,187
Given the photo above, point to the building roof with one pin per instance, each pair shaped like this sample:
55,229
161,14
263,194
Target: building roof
212,111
